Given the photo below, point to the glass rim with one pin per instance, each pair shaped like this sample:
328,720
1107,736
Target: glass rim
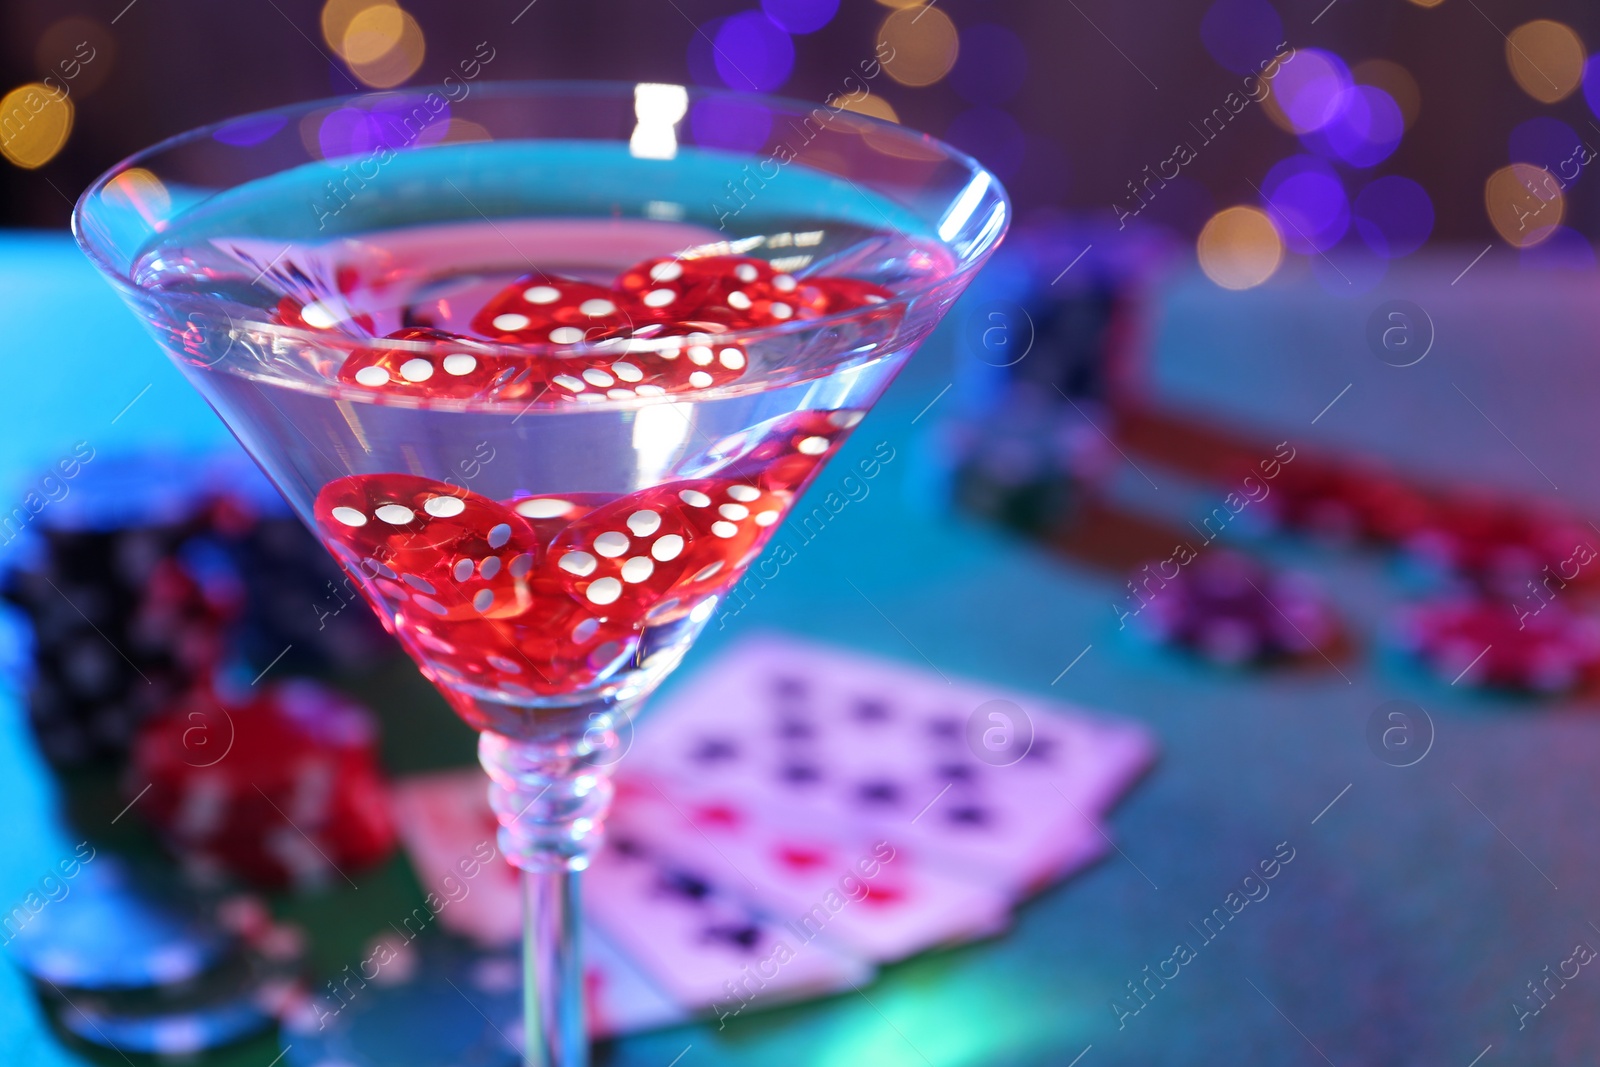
965,262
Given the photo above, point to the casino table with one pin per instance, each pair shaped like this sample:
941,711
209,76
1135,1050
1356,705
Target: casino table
1415,910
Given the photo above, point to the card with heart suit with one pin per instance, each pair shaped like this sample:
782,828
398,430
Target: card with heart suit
988,784
872,895
680,928
704,942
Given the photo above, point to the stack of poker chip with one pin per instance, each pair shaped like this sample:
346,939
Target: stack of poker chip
1508,583
119,626
276,783
1229,609
150,574
123,958
1489,643
1023,441
302,613
1026,467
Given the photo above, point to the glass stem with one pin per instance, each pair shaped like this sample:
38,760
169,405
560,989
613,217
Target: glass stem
552,971
550,791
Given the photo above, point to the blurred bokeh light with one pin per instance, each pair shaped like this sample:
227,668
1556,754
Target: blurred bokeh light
1395,80
1393,215
1307,91
1546,59
1525,204
38,120
752,53
1240,248
921,44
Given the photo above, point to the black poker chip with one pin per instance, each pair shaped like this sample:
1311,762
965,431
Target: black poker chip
152,573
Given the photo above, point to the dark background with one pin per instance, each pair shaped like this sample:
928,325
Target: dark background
1092,120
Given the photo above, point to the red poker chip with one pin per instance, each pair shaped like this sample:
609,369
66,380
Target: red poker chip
1507,546
1492,643
1341,502
280,787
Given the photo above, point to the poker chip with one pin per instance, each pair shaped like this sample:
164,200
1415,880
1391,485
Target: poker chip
1342,502
241,996
119,623
278,785
1504,546
150,574
1228,609
1489,643
1027,463
116,928
450,1005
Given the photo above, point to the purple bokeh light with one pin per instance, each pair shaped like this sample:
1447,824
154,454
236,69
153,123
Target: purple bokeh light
1394,216
395,117
800,16
393,121
250,131
1307,203
1310,88
752,53
1552,144
1591,83
1240,34
1365,128
992,136
991,65
346,131
1564,250
717,122
702,57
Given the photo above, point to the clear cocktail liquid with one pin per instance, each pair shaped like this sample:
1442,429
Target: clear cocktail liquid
428,242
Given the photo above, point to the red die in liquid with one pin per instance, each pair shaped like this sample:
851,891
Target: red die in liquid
449,552
541,309
784,453
658,551
467,370
556,648
319,315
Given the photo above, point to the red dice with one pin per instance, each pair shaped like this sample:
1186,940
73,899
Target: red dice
464,368
548,309
448,552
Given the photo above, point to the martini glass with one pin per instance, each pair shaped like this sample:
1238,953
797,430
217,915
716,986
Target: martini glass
267,253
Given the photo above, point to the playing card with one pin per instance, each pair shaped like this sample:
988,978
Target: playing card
994,786
685,941
707,945
873,895
621,1000
449,833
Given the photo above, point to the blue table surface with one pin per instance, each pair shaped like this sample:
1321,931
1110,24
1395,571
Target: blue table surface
1419,902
